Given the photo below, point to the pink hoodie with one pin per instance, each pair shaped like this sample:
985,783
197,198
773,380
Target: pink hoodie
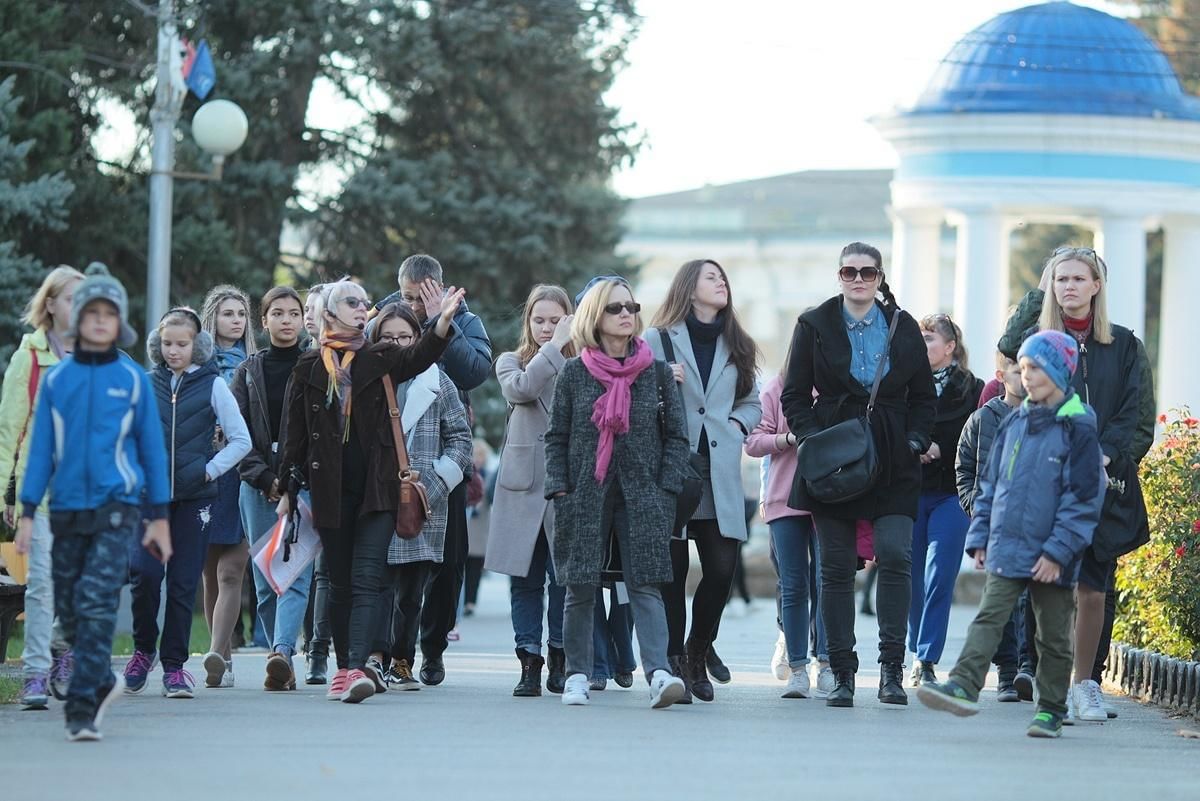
761,442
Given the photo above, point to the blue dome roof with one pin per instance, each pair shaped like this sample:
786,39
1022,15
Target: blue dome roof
1057,58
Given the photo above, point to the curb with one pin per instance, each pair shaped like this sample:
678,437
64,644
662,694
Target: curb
1151,677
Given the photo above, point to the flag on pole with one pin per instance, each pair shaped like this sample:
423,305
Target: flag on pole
198,70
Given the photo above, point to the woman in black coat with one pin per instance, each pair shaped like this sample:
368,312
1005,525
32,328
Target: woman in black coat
836,349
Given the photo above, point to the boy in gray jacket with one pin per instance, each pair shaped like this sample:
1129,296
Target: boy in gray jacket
1038,505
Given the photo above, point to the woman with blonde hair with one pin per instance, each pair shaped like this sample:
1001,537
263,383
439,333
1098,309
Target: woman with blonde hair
521,529
49,314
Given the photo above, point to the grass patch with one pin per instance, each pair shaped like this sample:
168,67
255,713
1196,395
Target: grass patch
122,643
10,688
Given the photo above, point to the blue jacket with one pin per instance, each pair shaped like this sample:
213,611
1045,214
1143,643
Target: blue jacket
189,426
96,438
1042,491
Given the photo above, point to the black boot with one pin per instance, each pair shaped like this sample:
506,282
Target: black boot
716,668
1006,691
318,667
679,667
843,689
702,688
556,665
530,685
891,683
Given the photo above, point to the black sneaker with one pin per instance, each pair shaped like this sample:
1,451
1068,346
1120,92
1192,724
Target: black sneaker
1006,692
623,679
716,668
1045,724
374,671
948,697
1023,684
82,729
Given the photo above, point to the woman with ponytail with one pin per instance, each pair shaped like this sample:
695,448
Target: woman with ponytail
837,349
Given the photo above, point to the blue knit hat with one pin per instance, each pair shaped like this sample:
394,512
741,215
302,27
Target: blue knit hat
1055,352
596,280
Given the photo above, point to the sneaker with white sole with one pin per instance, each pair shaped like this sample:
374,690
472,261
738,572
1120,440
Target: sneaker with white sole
575,693
178,684
826,681
227,679
107,697
665,689
1089,702
375,673
82,729
359,687
798,684
214,670
138,670
779,660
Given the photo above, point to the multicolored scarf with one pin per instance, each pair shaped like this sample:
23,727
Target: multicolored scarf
337,353
610,413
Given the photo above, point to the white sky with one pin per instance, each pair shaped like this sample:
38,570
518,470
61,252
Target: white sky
779,86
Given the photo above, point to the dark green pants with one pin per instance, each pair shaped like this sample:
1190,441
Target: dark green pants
1053,608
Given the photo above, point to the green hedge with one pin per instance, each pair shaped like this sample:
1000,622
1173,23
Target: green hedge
1158,585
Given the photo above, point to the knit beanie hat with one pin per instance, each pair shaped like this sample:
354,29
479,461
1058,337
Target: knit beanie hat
98,284
1054,352
593,282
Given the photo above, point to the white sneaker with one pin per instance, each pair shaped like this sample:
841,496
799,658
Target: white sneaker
1089,702
665,689
575,693
227,679
214,667
1072,706
779,660
825,682
797,686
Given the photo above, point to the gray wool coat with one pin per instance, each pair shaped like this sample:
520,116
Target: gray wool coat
438,439
646,464
520,510
713,409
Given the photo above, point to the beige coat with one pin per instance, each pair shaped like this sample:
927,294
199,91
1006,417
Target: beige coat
520,510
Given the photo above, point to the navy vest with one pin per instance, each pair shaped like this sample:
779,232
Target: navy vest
189,425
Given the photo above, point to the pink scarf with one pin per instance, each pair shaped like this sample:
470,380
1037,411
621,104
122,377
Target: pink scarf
610,414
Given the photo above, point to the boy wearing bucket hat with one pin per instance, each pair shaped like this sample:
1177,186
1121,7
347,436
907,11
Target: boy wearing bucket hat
1039,502
97,443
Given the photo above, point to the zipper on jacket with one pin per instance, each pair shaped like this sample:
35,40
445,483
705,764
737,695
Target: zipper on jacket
1012,459
87,462
174,397
1083,358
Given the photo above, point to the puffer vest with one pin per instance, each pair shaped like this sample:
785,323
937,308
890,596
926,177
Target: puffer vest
189,426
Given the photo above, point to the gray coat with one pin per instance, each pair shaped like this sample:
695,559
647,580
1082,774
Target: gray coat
646,465
713,409
438,439
520,510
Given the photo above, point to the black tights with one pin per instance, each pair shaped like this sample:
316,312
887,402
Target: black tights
718,560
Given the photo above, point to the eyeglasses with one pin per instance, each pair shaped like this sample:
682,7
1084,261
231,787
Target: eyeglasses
629,306
403,339
867,274
358,303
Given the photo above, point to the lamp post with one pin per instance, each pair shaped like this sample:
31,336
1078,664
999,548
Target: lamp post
219,128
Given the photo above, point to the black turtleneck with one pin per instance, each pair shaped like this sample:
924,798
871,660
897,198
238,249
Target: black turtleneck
704,338
95,356
278,364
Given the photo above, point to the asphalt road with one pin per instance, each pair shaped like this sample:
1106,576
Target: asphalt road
469,739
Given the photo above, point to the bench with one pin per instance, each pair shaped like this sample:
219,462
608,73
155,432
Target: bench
12,604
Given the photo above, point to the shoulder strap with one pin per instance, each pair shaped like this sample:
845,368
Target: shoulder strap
397,432
668,347
887,348
35,372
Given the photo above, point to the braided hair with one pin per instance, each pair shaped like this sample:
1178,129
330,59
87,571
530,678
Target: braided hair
863,249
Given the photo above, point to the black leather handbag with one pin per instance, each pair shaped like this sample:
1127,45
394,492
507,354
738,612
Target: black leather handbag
841,463
696,468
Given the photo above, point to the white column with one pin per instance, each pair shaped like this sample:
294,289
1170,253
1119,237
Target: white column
1121,242
916,247
981,284
1177,375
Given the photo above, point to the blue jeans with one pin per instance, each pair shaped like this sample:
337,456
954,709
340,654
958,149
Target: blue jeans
280,616
189,549
39,600
612,639
939,536
89,568
526,596
798,560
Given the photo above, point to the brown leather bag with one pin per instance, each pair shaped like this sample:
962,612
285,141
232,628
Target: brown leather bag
413,509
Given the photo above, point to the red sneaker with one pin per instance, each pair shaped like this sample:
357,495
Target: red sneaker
338,685
359,687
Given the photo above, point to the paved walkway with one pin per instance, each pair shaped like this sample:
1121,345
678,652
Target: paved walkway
469,739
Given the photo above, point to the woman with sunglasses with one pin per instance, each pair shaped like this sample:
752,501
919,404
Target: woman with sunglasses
1113,378
615,455
339,442
940,532
836,350
714,365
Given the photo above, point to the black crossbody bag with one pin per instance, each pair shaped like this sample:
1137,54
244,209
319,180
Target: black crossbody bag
688,499
841,463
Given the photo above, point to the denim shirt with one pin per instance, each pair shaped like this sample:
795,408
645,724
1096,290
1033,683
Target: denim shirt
868,343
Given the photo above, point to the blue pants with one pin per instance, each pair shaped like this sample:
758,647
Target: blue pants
280,616
527,595
612,639
89,567
189,547
798,562
939,536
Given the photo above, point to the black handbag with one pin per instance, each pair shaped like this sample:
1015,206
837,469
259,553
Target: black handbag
841,463
696,468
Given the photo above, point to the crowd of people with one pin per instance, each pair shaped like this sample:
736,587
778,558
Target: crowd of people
623,445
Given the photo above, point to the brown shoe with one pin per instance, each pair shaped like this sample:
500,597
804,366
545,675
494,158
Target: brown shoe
280,675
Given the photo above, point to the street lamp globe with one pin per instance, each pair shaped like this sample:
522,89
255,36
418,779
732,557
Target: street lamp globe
219,127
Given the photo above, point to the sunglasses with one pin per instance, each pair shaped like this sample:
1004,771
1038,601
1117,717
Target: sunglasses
1071,249
867,274
629,306
357,303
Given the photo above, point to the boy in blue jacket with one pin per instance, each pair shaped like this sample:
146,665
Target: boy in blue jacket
97,444
1038,505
